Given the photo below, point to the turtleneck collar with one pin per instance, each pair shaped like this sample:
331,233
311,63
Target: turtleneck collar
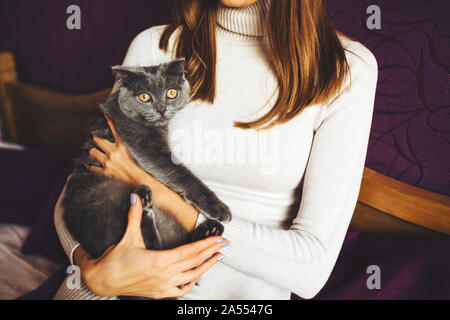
244,21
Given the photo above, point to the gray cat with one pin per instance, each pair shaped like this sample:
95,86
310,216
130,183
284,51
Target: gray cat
96,207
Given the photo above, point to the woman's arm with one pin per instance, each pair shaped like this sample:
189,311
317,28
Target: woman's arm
129,269
301,258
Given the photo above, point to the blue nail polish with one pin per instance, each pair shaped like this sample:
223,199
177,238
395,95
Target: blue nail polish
220,240
221,258
226,244
133,199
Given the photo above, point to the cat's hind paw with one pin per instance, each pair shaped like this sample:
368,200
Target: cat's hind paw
206,229
145,193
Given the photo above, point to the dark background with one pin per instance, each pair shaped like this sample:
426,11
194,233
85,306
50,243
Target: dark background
411,127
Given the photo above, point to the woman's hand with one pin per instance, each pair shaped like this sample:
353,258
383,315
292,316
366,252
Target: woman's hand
115,160
129,269
117,163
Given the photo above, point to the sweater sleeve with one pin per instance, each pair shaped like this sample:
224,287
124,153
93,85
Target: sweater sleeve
68,243
302,257
138,54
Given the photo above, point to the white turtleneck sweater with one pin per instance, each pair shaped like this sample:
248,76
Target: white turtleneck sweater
277,247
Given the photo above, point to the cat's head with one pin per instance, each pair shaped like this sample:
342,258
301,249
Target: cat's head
152,95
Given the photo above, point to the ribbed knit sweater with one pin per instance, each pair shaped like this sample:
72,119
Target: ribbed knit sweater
292,189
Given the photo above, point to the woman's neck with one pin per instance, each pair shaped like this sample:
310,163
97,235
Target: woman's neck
245,21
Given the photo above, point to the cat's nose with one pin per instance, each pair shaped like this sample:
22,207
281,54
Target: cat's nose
161,108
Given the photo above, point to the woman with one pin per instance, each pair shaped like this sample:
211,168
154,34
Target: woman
282,105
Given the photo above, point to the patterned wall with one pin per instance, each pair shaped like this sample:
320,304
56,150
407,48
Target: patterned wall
410,138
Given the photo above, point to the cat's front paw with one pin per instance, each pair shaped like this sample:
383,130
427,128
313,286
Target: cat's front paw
216,210
206,229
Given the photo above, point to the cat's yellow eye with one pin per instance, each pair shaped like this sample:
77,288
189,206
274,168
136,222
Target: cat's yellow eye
172,93
144,97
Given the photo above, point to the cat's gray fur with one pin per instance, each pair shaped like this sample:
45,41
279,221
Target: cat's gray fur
96,207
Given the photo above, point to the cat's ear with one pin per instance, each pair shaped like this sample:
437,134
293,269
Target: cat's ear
176,67
127,73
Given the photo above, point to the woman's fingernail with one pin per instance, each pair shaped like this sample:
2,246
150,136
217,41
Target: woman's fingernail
133,199
220,240
221,258
226,244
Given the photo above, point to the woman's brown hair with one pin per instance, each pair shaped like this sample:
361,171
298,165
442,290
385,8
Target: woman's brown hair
306,55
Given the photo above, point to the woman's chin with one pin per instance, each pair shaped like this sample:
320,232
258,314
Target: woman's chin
238,3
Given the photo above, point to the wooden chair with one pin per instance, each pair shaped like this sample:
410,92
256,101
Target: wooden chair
391,206
34,116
